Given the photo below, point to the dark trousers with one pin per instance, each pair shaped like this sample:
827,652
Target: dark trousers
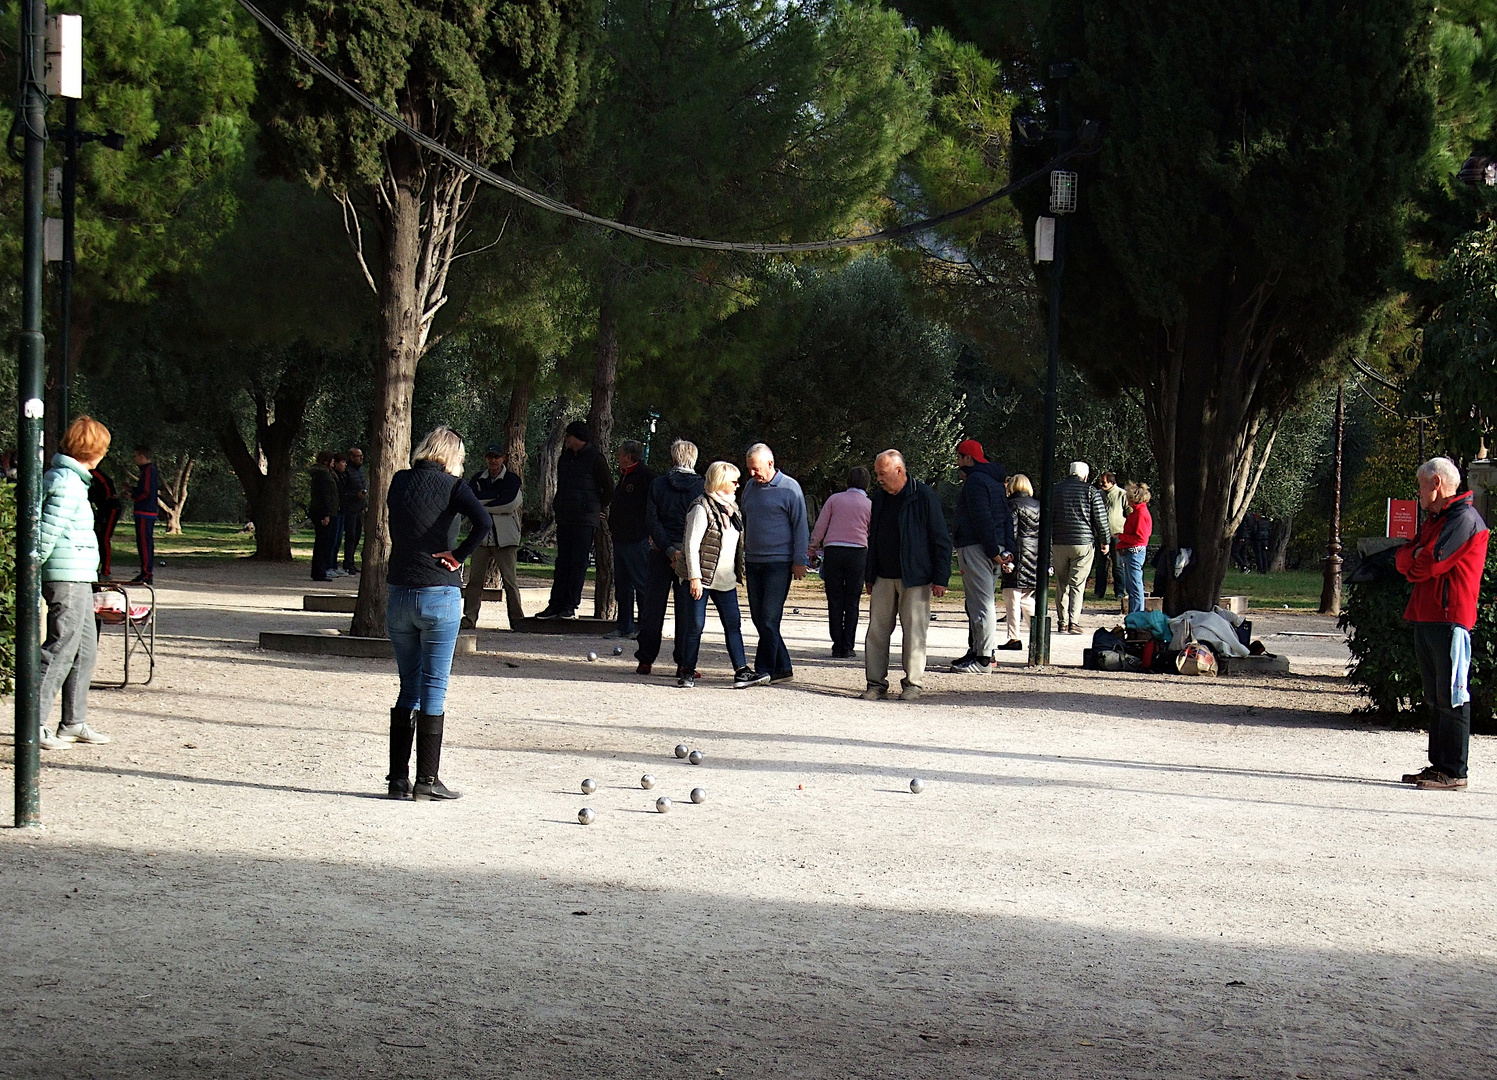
145,543
322,548
726,602
104,523
1113,560
574,543
353,532
1449,727
338,525
660,583
630,557
842,573
1260,554
768,588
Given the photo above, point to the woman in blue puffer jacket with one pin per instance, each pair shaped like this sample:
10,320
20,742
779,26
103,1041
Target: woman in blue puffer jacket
69,553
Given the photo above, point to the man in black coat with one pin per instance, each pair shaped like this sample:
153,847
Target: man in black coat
584,486
631,535
323,509
671,496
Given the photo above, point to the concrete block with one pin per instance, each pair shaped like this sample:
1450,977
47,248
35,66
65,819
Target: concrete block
1237,605
596,627
338,603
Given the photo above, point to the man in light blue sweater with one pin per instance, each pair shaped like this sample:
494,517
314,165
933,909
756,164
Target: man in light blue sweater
775,536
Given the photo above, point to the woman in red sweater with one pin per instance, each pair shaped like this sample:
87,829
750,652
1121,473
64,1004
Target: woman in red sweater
1134,544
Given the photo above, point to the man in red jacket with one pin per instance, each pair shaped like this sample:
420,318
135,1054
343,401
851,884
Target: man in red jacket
1445,563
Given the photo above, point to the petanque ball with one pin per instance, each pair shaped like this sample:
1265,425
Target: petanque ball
585,816
682,750
663,804
589,786
695,757
647,781
618,650
698,795
917,785
592,656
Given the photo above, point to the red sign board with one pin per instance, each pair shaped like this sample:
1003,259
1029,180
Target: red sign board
1403,518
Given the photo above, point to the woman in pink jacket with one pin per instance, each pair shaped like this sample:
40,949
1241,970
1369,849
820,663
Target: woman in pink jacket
841,535
1134,544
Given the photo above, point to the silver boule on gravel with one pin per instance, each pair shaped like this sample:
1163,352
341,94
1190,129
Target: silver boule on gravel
589,786
695,757
585,816
647,781
682,750
663,804
592,656
917,785
698,795
618,650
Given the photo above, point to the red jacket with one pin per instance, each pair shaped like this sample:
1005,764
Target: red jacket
1137,529
1445,562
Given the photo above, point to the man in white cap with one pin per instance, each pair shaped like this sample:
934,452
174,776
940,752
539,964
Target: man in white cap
1078,529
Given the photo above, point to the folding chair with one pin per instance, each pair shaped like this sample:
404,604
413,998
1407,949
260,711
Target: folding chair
113,606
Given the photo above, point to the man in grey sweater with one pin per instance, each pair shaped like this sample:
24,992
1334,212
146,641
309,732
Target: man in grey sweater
775,538
1079,531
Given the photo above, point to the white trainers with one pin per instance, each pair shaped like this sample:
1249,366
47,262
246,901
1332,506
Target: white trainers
82,733
52,742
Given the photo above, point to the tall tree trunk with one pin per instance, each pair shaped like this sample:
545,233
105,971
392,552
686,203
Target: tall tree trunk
1278,556
600,423
176,496
394,387
1205,411
264,472
556,429
515,424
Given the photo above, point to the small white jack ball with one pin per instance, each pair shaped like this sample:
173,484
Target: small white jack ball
698,795
589,786
682,750
585,816
592,656
663,805
647,781
695,757
917,785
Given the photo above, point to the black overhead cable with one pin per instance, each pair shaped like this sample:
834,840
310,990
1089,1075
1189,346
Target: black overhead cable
535,198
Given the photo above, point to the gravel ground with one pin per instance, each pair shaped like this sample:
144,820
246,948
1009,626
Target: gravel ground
1106,875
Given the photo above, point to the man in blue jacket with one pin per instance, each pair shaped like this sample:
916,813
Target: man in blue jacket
909,561
775,538
984,539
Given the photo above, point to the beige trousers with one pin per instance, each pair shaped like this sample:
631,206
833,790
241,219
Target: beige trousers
1017,604
890,601
478,573
1073,568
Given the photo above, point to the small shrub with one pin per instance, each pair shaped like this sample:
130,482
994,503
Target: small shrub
1382,649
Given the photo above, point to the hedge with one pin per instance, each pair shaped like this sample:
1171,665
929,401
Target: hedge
1382,649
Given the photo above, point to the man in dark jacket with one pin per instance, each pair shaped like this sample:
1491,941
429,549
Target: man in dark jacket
671,496
584,485
354,501
1078,533
1445,562
146,496
322,508
631,536
909,561
984,539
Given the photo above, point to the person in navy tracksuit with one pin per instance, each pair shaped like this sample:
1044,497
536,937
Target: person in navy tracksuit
146,494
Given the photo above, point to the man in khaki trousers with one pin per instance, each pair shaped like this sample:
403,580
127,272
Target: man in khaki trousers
499,490
909,561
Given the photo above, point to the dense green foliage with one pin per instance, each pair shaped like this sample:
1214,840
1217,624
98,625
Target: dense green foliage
7,588
1382,648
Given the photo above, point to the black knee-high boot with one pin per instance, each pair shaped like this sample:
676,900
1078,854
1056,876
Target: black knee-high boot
429,758
402,734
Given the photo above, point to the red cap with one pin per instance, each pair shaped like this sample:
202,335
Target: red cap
973,449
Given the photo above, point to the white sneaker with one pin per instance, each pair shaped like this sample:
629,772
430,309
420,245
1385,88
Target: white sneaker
82,733
52,742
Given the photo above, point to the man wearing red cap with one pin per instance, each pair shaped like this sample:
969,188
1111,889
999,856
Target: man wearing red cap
984,542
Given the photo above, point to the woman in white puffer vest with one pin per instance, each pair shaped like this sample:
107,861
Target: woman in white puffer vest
714,566
68,551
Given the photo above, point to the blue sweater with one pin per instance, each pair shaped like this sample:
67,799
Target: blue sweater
774,521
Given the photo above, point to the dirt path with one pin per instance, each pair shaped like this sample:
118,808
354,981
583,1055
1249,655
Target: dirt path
1105,876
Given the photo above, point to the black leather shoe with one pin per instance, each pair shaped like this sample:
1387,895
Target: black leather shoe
430,789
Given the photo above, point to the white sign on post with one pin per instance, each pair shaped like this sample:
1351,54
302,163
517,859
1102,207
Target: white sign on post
1044,239
65,56
52,239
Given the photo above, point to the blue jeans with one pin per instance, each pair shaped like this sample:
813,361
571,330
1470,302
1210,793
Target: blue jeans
1133,570
727,610
422,625
630,557
768,587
